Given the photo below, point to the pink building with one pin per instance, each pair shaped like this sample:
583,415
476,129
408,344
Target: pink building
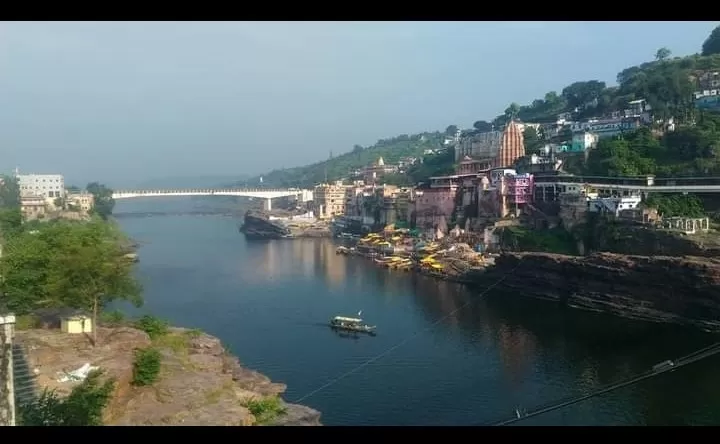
516,191
519,188
435,205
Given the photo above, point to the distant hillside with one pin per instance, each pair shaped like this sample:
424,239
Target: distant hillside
391,150
667,84
189,181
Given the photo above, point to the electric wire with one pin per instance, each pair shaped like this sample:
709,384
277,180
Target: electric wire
657,370
337,379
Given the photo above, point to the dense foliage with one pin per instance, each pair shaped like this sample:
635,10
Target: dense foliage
104,203
67,264
146,366
687,151
83,407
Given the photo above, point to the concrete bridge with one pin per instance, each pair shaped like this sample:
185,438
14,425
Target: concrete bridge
259,193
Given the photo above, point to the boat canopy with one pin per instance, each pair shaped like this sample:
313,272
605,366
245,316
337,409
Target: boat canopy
344,319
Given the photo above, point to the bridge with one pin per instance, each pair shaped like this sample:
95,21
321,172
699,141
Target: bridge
267,194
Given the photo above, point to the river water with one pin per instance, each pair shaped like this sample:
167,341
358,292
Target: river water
444,354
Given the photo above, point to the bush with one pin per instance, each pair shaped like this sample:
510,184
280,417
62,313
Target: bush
83,407
114,317
153,326
265,409
146,367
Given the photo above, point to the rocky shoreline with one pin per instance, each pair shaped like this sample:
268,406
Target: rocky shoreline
200,382
258,226
680,290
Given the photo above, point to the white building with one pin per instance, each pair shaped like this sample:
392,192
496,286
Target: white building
613,205
49,186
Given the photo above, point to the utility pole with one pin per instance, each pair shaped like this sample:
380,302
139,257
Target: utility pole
7,380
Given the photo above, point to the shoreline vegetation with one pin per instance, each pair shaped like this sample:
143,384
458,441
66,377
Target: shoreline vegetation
143,371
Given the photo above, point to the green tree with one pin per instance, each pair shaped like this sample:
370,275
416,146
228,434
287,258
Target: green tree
532,140
662,54
88,269
104,203
83,407
10,222
68,264
451,130
9,192
712,44
583,93
482,126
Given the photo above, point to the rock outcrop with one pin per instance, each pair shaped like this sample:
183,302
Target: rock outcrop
257,225
682,290
200,382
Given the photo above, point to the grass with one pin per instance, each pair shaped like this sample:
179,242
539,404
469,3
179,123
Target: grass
26,322
213,396
265,409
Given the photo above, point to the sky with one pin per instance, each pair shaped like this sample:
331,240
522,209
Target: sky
127,102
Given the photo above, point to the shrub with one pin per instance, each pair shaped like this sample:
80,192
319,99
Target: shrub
153,326
83,407
146,366
114,317
265,409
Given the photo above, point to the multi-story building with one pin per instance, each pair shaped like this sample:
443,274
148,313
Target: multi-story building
607,127
583,141
330,200
33,207
49,186
83,202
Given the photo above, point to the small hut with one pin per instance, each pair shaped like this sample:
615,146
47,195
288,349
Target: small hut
76,324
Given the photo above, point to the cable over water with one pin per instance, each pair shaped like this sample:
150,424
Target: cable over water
657,370
337,379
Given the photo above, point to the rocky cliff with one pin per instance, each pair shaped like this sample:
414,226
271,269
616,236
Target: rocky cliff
200,382
257,225
683,290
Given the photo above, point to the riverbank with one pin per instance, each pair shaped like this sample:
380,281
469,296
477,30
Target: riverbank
679,290
200,382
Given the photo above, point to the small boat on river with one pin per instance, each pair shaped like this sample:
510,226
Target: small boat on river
351,324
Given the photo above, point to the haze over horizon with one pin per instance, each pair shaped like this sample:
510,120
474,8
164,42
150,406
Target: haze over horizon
128,102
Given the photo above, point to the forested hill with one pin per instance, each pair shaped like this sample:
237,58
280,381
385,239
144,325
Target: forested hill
391,150
667,83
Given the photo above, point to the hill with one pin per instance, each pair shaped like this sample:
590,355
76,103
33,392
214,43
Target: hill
391,150
667,84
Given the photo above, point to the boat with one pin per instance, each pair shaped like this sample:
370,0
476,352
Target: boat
351,324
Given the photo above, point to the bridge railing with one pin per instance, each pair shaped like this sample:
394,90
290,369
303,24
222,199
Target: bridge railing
211,191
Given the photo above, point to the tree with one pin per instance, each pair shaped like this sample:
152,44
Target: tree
88,269
581,94
73,189
83,407
482,126
9,192
712,44
10,222
451,130
68,264
104,203
357,149
662,54
531,140
512,111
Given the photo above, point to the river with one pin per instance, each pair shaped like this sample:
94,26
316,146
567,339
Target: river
444,355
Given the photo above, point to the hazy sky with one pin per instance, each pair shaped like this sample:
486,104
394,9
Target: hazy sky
123,102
